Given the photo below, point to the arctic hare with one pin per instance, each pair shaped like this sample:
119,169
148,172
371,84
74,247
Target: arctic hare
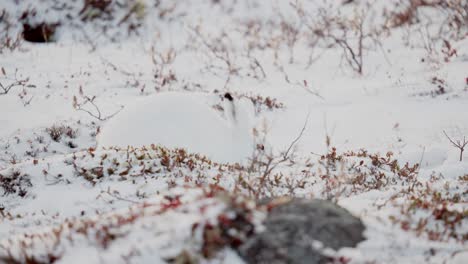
184,121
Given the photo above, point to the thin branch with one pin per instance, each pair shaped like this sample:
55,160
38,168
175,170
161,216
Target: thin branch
458,144
116,195
286,154
98,115
16,82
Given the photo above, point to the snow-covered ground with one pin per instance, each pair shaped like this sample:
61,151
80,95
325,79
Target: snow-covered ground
268,98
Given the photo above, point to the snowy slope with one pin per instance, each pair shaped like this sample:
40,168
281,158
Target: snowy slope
111,135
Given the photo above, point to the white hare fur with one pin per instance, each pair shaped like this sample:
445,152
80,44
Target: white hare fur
184,121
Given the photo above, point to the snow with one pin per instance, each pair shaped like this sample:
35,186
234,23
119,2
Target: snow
166,129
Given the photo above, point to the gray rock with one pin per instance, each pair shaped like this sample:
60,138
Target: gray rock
293,228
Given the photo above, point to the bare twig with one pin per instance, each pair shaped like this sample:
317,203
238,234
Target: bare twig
89,40
116,195
80,106
117,69
304,84
4,89
458,144
286,153
160,60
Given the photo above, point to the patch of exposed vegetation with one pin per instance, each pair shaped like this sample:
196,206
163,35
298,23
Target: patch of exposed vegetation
15,182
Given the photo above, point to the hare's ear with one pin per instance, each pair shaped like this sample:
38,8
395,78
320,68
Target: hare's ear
228,96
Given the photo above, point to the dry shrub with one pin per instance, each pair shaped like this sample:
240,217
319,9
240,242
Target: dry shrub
223,58
163,76
8,41
438,213
454,15
229,231
432,25
57,132
174,165
260,103
215,218
15,182
351,173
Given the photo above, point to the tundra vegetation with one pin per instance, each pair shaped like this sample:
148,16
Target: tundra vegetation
361,103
